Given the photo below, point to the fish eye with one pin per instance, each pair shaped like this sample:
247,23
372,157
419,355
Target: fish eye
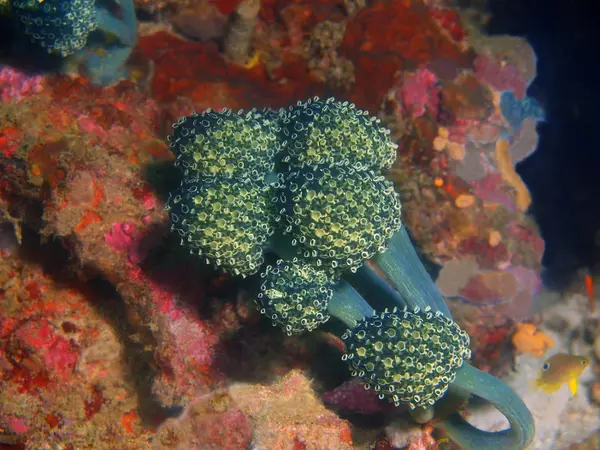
546,366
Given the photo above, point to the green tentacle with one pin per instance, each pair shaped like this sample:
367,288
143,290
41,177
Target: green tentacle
470,380
401,264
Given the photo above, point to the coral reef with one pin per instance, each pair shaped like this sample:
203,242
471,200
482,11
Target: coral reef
146,358
561,421
465,202
289,415
15,84
209,422
63,363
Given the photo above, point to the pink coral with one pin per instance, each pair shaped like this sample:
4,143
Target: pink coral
125,237
17,424
501,76
449,20
209,422
488,189
186,353
10,139
186,345
353,397
90,126
526,235
420,92
15,84
121,236
489,257
194,342
63,375
58,354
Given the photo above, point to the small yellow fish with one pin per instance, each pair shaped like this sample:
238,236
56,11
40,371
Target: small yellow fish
560,369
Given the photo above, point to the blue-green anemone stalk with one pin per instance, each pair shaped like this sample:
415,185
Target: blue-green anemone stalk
472,381
377,340
418,293
306,185
402,266
348,305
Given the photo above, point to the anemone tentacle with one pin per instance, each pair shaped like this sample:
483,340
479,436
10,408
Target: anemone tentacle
349,306
470,380
377,291
407,356
305,184
402,266
295,295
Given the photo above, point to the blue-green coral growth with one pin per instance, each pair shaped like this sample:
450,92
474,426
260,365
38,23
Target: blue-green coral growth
295,296
65,28
407,356
338,217
305,184
223,220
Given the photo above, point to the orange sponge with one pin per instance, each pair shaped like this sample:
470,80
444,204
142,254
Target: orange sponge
527,339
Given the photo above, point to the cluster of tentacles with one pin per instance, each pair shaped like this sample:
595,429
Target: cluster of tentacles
298,198
82,32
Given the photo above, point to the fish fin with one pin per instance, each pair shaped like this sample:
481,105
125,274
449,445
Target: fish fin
538,384
548,388
573,385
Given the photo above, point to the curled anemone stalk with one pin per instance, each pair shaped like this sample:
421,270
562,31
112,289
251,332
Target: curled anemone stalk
304,188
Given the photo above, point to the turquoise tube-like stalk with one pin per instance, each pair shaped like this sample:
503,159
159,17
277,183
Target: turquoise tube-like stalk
348,305
123,27
470,380
375,289
105,60
401,264
281,246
